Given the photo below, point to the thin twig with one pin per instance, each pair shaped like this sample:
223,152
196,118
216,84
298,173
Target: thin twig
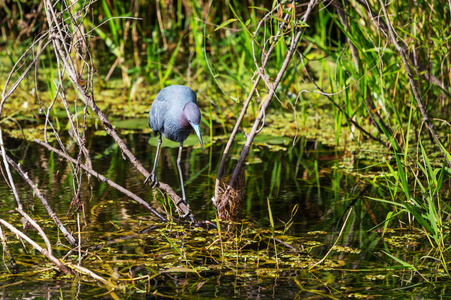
336,241
6,93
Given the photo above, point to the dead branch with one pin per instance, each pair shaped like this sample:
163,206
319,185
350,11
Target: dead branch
267,101
64,268
88,272
39,229
416,95
8,171
103,179
62,52
52,258
38,193
248,100
7,92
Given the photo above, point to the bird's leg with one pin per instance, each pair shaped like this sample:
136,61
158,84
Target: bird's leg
153,176
179,160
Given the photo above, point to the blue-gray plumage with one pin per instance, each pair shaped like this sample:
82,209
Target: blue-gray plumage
174,113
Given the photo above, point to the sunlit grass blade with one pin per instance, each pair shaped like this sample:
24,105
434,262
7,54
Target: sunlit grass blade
171,63
400,261
181,254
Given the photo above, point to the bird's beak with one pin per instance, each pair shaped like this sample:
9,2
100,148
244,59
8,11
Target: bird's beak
197,130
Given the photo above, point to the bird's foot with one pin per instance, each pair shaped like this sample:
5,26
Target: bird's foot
185,215
180,201
152,178
180,209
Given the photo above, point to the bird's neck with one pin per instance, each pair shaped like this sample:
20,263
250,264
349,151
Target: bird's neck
183,121
190,114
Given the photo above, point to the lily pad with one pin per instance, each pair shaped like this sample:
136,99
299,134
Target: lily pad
191,141
131,124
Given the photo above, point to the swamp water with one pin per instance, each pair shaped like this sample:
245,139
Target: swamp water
311,194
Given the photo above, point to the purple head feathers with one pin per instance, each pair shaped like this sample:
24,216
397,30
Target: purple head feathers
191,113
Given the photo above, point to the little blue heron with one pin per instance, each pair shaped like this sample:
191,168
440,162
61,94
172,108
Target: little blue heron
174,113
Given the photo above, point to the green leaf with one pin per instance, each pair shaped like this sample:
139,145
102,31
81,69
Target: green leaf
387,218
259,8
302,24
171,62
405,264
271,220
178,270
225,23
417,214
402,176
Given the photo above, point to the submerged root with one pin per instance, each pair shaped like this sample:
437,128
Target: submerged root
230,198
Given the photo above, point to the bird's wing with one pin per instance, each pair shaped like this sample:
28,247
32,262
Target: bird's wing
157,114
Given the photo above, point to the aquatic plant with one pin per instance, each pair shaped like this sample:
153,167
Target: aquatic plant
347,74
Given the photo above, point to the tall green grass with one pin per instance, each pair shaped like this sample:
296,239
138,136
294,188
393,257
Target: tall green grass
209,45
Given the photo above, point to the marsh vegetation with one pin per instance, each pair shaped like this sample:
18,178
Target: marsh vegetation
327,138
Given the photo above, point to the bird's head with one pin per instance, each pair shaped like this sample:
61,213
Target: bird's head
192,115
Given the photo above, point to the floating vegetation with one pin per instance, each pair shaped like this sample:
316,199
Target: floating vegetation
339,175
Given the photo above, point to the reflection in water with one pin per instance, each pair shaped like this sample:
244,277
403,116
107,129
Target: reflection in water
309,197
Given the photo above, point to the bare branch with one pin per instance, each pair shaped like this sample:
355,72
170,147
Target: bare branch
104,179
52,258
39,229
246,104
38,193
8,171
266,103
416,95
